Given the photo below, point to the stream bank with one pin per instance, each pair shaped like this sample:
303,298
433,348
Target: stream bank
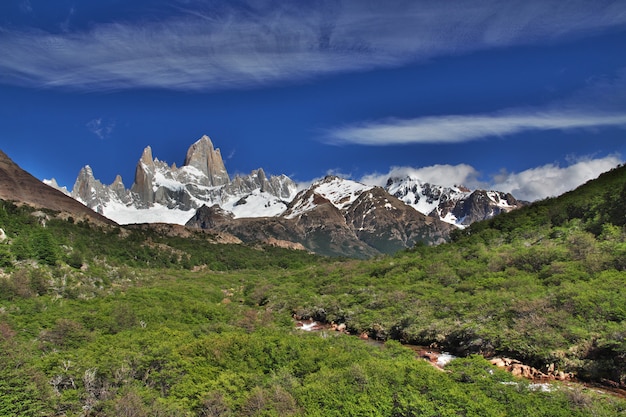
439,358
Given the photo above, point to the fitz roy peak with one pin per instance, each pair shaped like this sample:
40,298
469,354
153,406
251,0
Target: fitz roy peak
166,193
202,156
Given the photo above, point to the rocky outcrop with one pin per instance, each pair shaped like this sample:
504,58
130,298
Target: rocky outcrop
210,218
280,244
455,205
176,230
517,368
480,205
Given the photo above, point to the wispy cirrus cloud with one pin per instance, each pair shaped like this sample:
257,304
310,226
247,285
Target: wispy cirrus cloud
448,129
600,104
204,47
25,6
533,184
100,127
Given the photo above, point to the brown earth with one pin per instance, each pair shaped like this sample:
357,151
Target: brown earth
19,186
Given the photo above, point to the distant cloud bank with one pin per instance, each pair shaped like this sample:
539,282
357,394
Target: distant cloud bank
533,184
202,47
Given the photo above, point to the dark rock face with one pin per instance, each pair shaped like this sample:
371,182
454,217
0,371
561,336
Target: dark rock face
456,205
482,205
322,230
209,217
389,225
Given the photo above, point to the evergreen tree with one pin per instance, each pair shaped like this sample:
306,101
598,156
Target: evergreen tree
21,247
45,247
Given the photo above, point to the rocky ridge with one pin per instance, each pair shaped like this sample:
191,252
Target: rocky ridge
456,205
333,216
202,179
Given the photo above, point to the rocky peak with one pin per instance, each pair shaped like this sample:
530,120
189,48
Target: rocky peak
146,157
87,188
209,217
117,182
203,156
54,184
143,176
96,195
482,204
457,205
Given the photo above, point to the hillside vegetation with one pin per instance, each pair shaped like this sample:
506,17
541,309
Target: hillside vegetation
111,321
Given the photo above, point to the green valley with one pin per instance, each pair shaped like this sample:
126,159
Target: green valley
99,320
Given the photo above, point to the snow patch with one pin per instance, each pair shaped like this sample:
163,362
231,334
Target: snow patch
255,204
340,192
160,180
123,214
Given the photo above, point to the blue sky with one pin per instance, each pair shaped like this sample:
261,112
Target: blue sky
521,96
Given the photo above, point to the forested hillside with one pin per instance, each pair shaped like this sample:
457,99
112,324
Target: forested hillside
114,321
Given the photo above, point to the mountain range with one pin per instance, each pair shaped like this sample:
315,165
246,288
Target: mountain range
333,216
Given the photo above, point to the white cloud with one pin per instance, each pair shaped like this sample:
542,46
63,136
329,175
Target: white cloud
552,180
446,175
259,43
100,127
456,129
530,185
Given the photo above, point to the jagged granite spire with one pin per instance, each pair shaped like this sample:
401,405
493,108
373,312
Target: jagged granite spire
94,194
203,156
88,189
144,173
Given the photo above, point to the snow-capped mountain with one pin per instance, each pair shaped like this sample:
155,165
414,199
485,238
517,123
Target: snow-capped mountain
335,216
168,194
455,205
341,193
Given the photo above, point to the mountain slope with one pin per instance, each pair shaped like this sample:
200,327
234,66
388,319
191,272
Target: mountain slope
20,186
595,203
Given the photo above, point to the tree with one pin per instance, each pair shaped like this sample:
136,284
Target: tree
45,247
